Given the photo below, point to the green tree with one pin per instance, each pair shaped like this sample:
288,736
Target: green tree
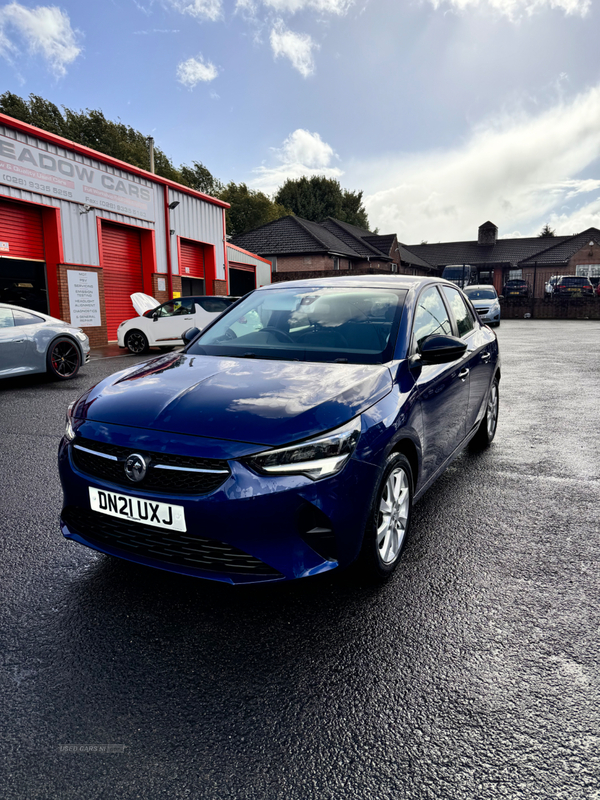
547,232
353,211
91,129
249,209
317,198
199,178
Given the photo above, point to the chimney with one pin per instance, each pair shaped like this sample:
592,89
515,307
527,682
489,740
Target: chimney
488,233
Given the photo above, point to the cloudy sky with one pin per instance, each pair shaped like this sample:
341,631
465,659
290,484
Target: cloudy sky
445,113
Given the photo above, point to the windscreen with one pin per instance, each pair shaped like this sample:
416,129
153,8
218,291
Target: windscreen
481,294
357,326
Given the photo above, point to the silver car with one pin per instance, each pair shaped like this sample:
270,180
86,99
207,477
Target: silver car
486,303
33,342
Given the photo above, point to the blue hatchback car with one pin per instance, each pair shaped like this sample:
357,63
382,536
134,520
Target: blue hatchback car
289,438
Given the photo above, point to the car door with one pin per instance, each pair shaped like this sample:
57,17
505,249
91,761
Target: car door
443,389
171,320
478,359
15,348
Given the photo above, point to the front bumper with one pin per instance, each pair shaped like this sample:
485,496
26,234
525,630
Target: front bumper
292,525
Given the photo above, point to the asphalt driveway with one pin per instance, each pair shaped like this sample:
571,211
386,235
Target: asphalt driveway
473,673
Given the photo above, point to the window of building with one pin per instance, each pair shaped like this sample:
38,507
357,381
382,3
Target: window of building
273,260
336,262
588,270
515,274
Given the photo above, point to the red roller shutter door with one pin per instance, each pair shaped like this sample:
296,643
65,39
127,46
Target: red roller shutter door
21,227
122,265
191,257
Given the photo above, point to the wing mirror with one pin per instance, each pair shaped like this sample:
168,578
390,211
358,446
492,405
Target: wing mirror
190,334
441,349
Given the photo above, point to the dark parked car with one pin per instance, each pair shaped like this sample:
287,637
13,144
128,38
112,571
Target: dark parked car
516,288
290,437
574,285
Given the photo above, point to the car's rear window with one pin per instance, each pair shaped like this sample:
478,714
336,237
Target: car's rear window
574,281
354,325
214,304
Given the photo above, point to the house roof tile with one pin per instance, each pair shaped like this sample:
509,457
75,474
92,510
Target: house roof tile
504,251
560,252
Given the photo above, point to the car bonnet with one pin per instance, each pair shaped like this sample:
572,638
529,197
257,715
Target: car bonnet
245,400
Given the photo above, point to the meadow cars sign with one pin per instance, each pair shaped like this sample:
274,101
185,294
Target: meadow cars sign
35,170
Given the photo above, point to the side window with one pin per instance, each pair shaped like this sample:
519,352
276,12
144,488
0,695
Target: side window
25,318
185,307
6,318
461,312
430,316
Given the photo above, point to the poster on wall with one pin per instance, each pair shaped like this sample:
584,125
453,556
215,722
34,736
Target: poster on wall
84,299
34,170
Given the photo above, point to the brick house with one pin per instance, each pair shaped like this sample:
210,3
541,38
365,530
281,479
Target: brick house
296,245
534,259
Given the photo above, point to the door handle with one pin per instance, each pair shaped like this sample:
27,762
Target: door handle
485,357
463,373
187,319
18,341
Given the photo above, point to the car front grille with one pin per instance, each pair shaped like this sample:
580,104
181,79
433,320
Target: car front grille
482,311
169,547
166,472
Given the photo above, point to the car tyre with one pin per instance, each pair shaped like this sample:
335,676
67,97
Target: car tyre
63,359
388,524
487,427
136,342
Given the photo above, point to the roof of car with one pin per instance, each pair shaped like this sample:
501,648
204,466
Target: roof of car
391,281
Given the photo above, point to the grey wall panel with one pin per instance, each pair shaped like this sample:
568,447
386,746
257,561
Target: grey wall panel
200,221
263,274
263,271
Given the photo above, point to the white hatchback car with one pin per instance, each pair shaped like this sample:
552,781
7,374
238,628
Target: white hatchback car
163,325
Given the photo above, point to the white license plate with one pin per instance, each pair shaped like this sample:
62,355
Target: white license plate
148,512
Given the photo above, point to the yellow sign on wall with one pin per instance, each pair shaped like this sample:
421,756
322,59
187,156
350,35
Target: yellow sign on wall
176,294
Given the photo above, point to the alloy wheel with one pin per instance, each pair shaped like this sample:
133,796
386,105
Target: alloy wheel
492,411
64,359
394,507
137,342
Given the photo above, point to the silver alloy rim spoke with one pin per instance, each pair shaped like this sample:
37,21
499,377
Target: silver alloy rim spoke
393,515
492,411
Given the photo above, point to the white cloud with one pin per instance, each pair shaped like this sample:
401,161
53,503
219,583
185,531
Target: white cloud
45,29
338,7
513,9
200,9
516,171
323,6
195,70
297,47
302,153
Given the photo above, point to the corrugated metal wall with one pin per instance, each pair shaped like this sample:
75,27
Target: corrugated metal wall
263,271
79,231
199,221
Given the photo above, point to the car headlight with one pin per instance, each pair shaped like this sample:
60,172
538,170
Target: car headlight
69,432
315,458
81,336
